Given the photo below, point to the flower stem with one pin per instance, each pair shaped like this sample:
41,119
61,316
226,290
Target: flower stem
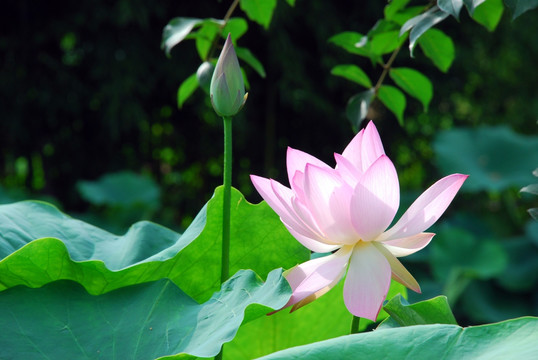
355,324
227,181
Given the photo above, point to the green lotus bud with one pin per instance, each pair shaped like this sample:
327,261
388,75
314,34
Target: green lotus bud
227,87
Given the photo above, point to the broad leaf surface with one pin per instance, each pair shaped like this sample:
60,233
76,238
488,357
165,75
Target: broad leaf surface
438,47
176,31
247,56
325,318
353,42
394,100
205,36
260,11
513,339
186,89
489,14
73,250
237,27
496,158
121,189
62,321
414,83
386,42
352,73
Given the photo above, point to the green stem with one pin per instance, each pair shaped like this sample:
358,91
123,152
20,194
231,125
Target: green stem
355,325
224,274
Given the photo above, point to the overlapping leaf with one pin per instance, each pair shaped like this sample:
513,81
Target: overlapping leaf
513,339
145,321
40,245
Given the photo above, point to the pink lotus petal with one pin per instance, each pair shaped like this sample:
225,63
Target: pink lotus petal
327,197
307,300
367,281
399,272
266,188
347,171
312,244
372,147
312,276
353,150
296,161
286,197
376,199
426,209
365,148
408,245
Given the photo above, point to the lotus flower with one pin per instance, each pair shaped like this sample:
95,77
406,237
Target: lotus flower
227,89
346,210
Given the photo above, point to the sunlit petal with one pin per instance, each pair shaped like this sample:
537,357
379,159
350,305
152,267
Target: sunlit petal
296,161
376,199
312,276
409,245
328,199
427,208
367,281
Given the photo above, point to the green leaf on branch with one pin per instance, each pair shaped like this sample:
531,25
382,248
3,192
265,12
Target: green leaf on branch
453,7
41,245
489,14
186,89
518,7
260,11
283,329
352,73
354,43
414,83
393,7
235,26
512,339
438,47
386,42
176,31
245,55
146,321
420,24
357,108
432,311
205,36
472,5
393,99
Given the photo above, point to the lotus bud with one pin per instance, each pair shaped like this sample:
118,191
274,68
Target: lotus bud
227,89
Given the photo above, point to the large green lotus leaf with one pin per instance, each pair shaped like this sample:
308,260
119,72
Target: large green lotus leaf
323,319
496,158
124,188
39,244
483,302
62,321
513,339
